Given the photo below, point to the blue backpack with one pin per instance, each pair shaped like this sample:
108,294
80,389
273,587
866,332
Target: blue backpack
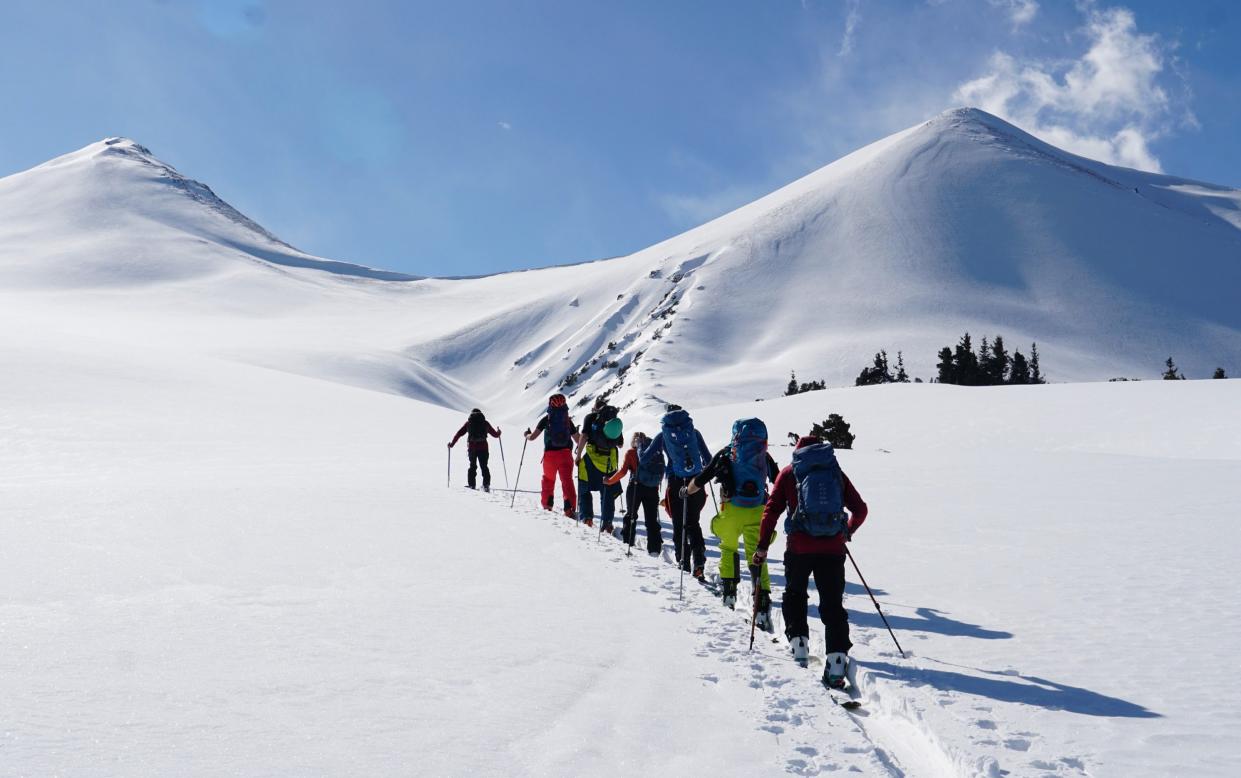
681,444
651,473
559,434
748,455
820,493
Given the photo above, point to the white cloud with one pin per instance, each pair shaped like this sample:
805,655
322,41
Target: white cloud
1020,12
504,125
852,19
1108,104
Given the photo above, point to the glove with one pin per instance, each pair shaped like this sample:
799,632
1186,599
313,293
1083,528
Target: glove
499,432
450,445
760,557
683,493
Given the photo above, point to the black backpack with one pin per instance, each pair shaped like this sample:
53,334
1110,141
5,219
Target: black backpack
595,434
558,433
476,427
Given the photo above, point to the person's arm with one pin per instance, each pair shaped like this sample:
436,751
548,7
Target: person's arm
495,433
776,505
702,447
630,464
854,504
656,446
457,437
773,470
538,429
714,467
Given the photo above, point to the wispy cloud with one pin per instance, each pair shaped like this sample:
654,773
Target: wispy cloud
1108,104
504,125
853,18
1020,12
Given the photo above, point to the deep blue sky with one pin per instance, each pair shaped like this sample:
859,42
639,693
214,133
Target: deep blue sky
460,138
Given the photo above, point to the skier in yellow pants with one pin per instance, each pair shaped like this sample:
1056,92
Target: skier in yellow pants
735,523
743,469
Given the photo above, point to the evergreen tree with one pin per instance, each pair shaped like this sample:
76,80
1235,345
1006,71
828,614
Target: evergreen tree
877,374
997,367
1036,375
901,376
967,362
792,387
835,431
1020,372
1171,374
947,370
984,362
1219,373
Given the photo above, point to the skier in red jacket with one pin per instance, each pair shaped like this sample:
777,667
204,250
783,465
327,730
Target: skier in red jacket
822,557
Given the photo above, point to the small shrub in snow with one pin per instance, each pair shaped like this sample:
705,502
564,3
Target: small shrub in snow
1219,373
834,430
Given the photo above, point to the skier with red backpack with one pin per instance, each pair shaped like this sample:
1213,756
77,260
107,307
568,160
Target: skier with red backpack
687,454
643,490
824,511
597,458
559,434
476,428
742,469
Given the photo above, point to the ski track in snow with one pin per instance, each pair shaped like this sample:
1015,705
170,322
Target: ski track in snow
888,736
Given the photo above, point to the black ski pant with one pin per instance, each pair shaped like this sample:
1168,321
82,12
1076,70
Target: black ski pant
686,523
829,578
648,498
478,459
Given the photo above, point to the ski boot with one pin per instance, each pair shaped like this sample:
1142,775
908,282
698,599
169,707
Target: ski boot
606,529
728,588
835,674
487,489
762,619
801,649
699,574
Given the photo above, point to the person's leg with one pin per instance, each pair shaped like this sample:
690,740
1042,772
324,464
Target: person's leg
483,456
676,510
829,579
750,529
649,497
793,604
629,530
694,528
727,527
473,471
565,469
548,487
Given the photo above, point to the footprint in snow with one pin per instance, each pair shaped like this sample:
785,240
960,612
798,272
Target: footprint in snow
1017,744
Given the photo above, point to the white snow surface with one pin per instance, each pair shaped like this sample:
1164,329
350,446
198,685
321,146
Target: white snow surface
228,546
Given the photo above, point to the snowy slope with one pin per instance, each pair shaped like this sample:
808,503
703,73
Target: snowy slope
212,568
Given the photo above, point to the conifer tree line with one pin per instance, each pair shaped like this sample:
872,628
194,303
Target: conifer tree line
881,373
991,365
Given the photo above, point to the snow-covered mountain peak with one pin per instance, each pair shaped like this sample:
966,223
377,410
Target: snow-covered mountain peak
112,213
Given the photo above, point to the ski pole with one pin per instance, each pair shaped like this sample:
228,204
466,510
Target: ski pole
449,484
684,538
755,572
502,460
520,462
876,602
711,484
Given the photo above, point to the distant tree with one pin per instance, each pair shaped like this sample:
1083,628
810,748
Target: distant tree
1036,376
834,430
798,388
1219,373
997,365
1171,373
901,376
1020,371
792,387
967,372
879,373
947,368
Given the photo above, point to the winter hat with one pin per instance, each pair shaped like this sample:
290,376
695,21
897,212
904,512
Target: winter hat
808,440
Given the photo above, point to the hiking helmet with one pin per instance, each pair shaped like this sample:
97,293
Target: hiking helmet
557,401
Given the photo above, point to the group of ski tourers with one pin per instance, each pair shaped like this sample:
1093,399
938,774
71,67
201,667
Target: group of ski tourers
674,470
